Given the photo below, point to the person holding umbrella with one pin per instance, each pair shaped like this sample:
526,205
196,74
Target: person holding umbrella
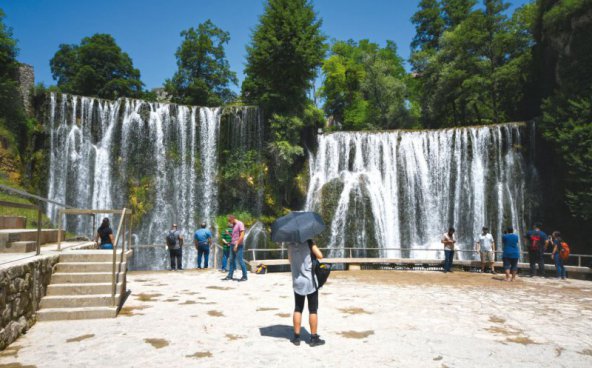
298,228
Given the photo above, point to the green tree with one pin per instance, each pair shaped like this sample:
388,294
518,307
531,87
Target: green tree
10,108
203,76
562,59
456,11
365,86
480,72
286,49
429,25
96,67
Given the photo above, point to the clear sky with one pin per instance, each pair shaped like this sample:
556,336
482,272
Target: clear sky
148,30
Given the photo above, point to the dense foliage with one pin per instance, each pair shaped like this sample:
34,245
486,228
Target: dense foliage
97,67
563,63
203,77
474,68
11,114
365,86
286,49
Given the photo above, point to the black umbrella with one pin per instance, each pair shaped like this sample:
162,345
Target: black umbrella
297,227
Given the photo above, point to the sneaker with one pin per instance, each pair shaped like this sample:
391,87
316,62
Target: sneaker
243,279
315,340
296,340
227,278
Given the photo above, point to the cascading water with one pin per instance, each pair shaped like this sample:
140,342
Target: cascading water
160,159
403,189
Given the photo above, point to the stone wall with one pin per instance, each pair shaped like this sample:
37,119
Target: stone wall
22,285
26,78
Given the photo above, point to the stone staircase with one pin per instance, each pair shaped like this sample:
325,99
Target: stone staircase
16,238
80,286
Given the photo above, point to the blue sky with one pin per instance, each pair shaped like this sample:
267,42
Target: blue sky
148,30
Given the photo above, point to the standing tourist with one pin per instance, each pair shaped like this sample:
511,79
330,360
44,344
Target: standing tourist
537,241
448,239
236,245
557,247
174,241
511,253
304,287
105,235
226,240
203,240
486,248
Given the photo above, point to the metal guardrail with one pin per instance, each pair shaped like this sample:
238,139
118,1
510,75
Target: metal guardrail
350,250
122,228
39,208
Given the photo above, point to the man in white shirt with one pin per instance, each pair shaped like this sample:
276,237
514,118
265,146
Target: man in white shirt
448,239
485,245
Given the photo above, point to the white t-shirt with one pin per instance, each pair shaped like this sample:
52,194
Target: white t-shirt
445,237
485,242
301,265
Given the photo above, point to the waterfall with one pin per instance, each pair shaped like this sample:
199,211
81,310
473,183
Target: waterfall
159,159
403,189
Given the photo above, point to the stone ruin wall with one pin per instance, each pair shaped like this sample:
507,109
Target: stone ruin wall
22,285
26,79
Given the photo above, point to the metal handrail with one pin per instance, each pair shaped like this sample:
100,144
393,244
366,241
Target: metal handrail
39,209
121,224
351,249
33,196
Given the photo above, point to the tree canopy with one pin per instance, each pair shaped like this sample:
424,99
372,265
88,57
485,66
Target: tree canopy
203,77
97,67
286,49
365,86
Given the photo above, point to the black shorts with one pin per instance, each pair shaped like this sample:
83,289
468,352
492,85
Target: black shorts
313,302
510,264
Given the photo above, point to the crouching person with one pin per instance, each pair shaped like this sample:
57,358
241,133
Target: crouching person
305,287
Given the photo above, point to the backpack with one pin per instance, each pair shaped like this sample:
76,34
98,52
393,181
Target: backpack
534,242
171,239
320,270
563,251
261,269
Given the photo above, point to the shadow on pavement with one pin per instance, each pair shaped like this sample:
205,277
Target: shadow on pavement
283,332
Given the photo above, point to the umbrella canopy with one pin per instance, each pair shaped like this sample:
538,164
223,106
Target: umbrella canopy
297,227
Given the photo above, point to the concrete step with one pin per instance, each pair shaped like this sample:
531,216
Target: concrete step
89,256
16,235
81,277
19,247
81,289
13,222
77,301
60,314
69,267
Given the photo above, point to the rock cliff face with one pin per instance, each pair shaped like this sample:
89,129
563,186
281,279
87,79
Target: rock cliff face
21,288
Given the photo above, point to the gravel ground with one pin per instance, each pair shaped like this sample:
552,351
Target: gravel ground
368,318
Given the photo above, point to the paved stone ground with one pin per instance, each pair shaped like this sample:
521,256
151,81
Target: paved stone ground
369,319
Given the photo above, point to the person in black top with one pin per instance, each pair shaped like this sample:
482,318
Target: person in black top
105,235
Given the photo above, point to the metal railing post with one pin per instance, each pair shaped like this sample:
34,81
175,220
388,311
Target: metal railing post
115,256
129,233
60,215
39,229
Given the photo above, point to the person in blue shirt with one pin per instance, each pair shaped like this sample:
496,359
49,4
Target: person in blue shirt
511,253
536,241
203,241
